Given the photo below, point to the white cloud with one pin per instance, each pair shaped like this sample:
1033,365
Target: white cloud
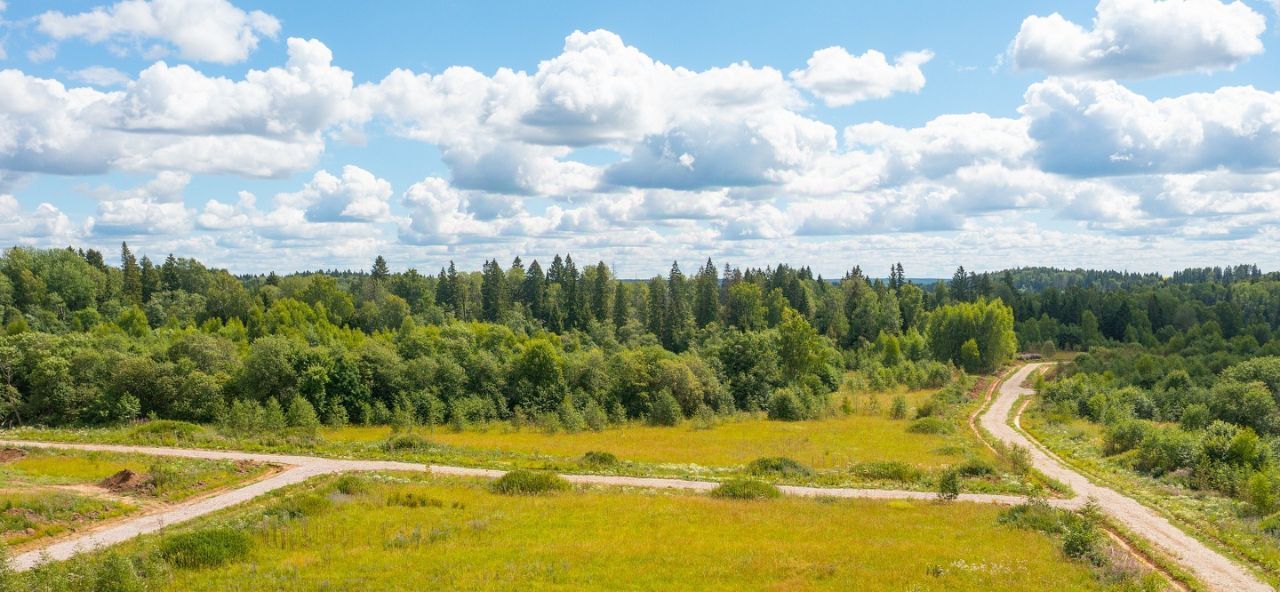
203,30
45,225
1089,128
156,207
840,78
269,124
1142,38
358,196
100,76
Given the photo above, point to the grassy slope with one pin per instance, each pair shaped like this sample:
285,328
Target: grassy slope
639,540
1216,519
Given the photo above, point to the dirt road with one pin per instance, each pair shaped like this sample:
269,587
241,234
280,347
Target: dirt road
301,468
1215,570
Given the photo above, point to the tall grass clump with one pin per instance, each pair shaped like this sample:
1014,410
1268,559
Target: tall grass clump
778,465
205,548
745,489
525,482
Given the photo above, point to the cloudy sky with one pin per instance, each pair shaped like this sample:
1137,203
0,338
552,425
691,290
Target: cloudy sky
1134,134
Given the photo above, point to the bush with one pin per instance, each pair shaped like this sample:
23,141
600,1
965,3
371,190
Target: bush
116,574
1263,491
406,442
888,471
975,467
299,506
949,485
898,409
1019,459
666,410
595,458
525,482
413,499
745,489
1271,525
1196,416
595,416
165,430
784,405
930,425
1124,436
1035,515
351,485
302,416
205,548
778,465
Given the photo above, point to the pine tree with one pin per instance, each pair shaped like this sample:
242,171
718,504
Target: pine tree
706,305
379,273
620,309
678,322
600,293
532,291
493,292
150,278
169,273
130,276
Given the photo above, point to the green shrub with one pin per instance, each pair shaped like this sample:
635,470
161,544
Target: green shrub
666,410
595,416
930,425
898,408
406,442
891,470
525,482
949,485
1262,491
1124,436
596,458
165,430
1035,515
117,573
778,465
784,405
299,506
412,499
351,485
205,548
745,489
975,467
1271,524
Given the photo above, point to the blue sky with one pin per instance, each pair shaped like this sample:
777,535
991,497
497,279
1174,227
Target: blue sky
1138,134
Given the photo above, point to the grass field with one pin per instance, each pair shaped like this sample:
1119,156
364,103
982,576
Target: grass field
170,479
862,448
27,516
458,535
1218,520
821,444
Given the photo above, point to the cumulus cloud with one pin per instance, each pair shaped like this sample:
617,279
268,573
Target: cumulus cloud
357,196
269,124
512,132
46,224
1088,128
1142,38
201,30
840,78
155,207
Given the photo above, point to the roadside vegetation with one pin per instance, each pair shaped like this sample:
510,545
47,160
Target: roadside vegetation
319,536
46,493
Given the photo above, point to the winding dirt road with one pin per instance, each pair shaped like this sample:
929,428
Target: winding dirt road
1216,571
301,468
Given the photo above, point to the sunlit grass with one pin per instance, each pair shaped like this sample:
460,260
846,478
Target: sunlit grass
825,443
30,516
172,479
640,540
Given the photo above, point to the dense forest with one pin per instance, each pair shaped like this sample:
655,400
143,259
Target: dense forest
88,342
